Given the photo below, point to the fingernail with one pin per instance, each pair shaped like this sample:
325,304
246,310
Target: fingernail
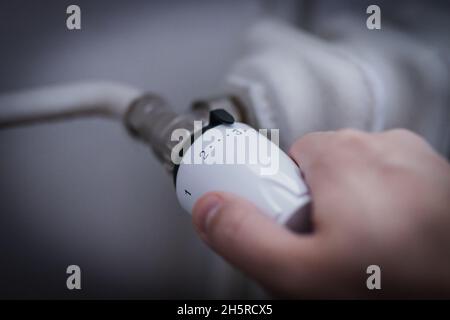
206,209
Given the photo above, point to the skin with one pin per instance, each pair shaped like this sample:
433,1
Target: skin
381,198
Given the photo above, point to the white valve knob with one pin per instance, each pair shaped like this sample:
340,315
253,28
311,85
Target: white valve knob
235,158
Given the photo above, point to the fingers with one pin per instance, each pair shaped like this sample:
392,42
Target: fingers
237,230
405,139
330,163
310,147
320,150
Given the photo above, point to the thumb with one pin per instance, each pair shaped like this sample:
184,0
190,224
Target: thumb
241,233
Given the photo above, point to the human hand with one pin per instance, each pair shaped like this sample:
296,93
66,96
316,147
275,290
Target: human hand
380,199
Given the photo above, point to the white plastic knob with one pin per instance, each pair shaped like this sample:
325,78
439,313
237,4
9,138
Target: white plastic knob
274,184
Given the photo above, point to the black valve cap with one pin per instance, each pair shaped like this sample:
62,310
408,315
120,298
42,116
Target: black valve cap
220,116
